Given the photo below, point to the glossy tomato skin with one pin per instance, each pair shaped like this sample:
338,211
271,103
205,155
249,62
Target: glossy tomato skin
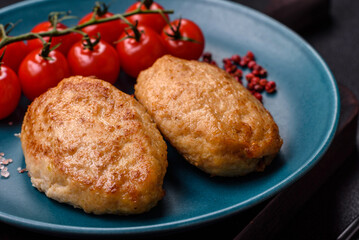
10,91
14,54
181,48
103,61
66,40
136,56
37,74
154,21
109,31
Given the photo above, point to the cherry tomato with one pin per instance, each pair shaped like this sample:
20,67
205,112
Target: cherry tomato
66,40
102,62
136,56
109,31
152,20
182,48
38,74
14,54
10,91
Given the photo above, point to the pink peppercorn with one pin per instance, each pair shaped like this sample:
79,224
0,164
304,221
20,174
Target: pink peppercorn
236,58
250,85
255,80
270,87
255,72
244,61
263,72
251,64
213,63
257,67
263,82
207,57
226,61
231,69
238,73
258,88
249,77
258,96
250,55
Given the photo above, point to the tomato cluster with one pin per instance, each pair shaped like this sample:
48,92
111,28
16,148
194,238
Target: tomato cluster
132,44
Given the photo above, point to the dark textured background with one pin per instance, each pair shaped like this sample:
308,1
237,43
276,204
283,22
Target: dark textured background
331,27
335,36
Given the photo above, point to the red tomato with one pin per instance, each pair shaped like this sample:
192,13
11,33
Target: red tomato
10,91
183,48
136,56
109,31
102,62
154,20
37,74
66,40
14,54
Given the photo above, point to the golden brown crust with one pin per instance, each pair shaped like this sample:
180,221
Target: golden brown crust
211,119
88,144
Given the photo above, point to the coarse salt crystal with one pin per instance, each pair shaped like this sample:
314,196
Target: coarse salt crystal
5,174
6,161
17,135
3,163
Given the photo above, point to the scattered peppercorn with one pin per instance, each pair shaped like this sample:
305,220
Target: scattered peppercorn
263,72
244,61
238,73
250,55
249,76
213,62
251,64
256,79
263,82
258,96
270,87
236,58
250,86
258,88
207,57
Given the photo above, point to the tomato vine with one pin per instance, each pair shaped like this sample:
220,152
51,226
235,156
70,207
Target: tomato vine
6,39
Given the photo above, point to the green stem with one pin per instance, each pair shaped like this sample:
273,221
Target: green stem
5,40
176,34
100,9
3,34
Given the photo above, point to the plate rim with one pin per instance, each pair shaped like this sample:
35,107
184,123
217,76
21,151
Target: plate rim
220,214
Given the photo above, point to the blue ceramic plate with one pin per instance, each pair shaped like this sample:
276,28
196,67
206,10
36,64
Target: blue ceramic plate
306,108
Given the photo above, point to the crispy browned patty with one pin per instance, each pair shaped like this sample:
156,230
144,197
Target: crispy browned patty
211,119
90,145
